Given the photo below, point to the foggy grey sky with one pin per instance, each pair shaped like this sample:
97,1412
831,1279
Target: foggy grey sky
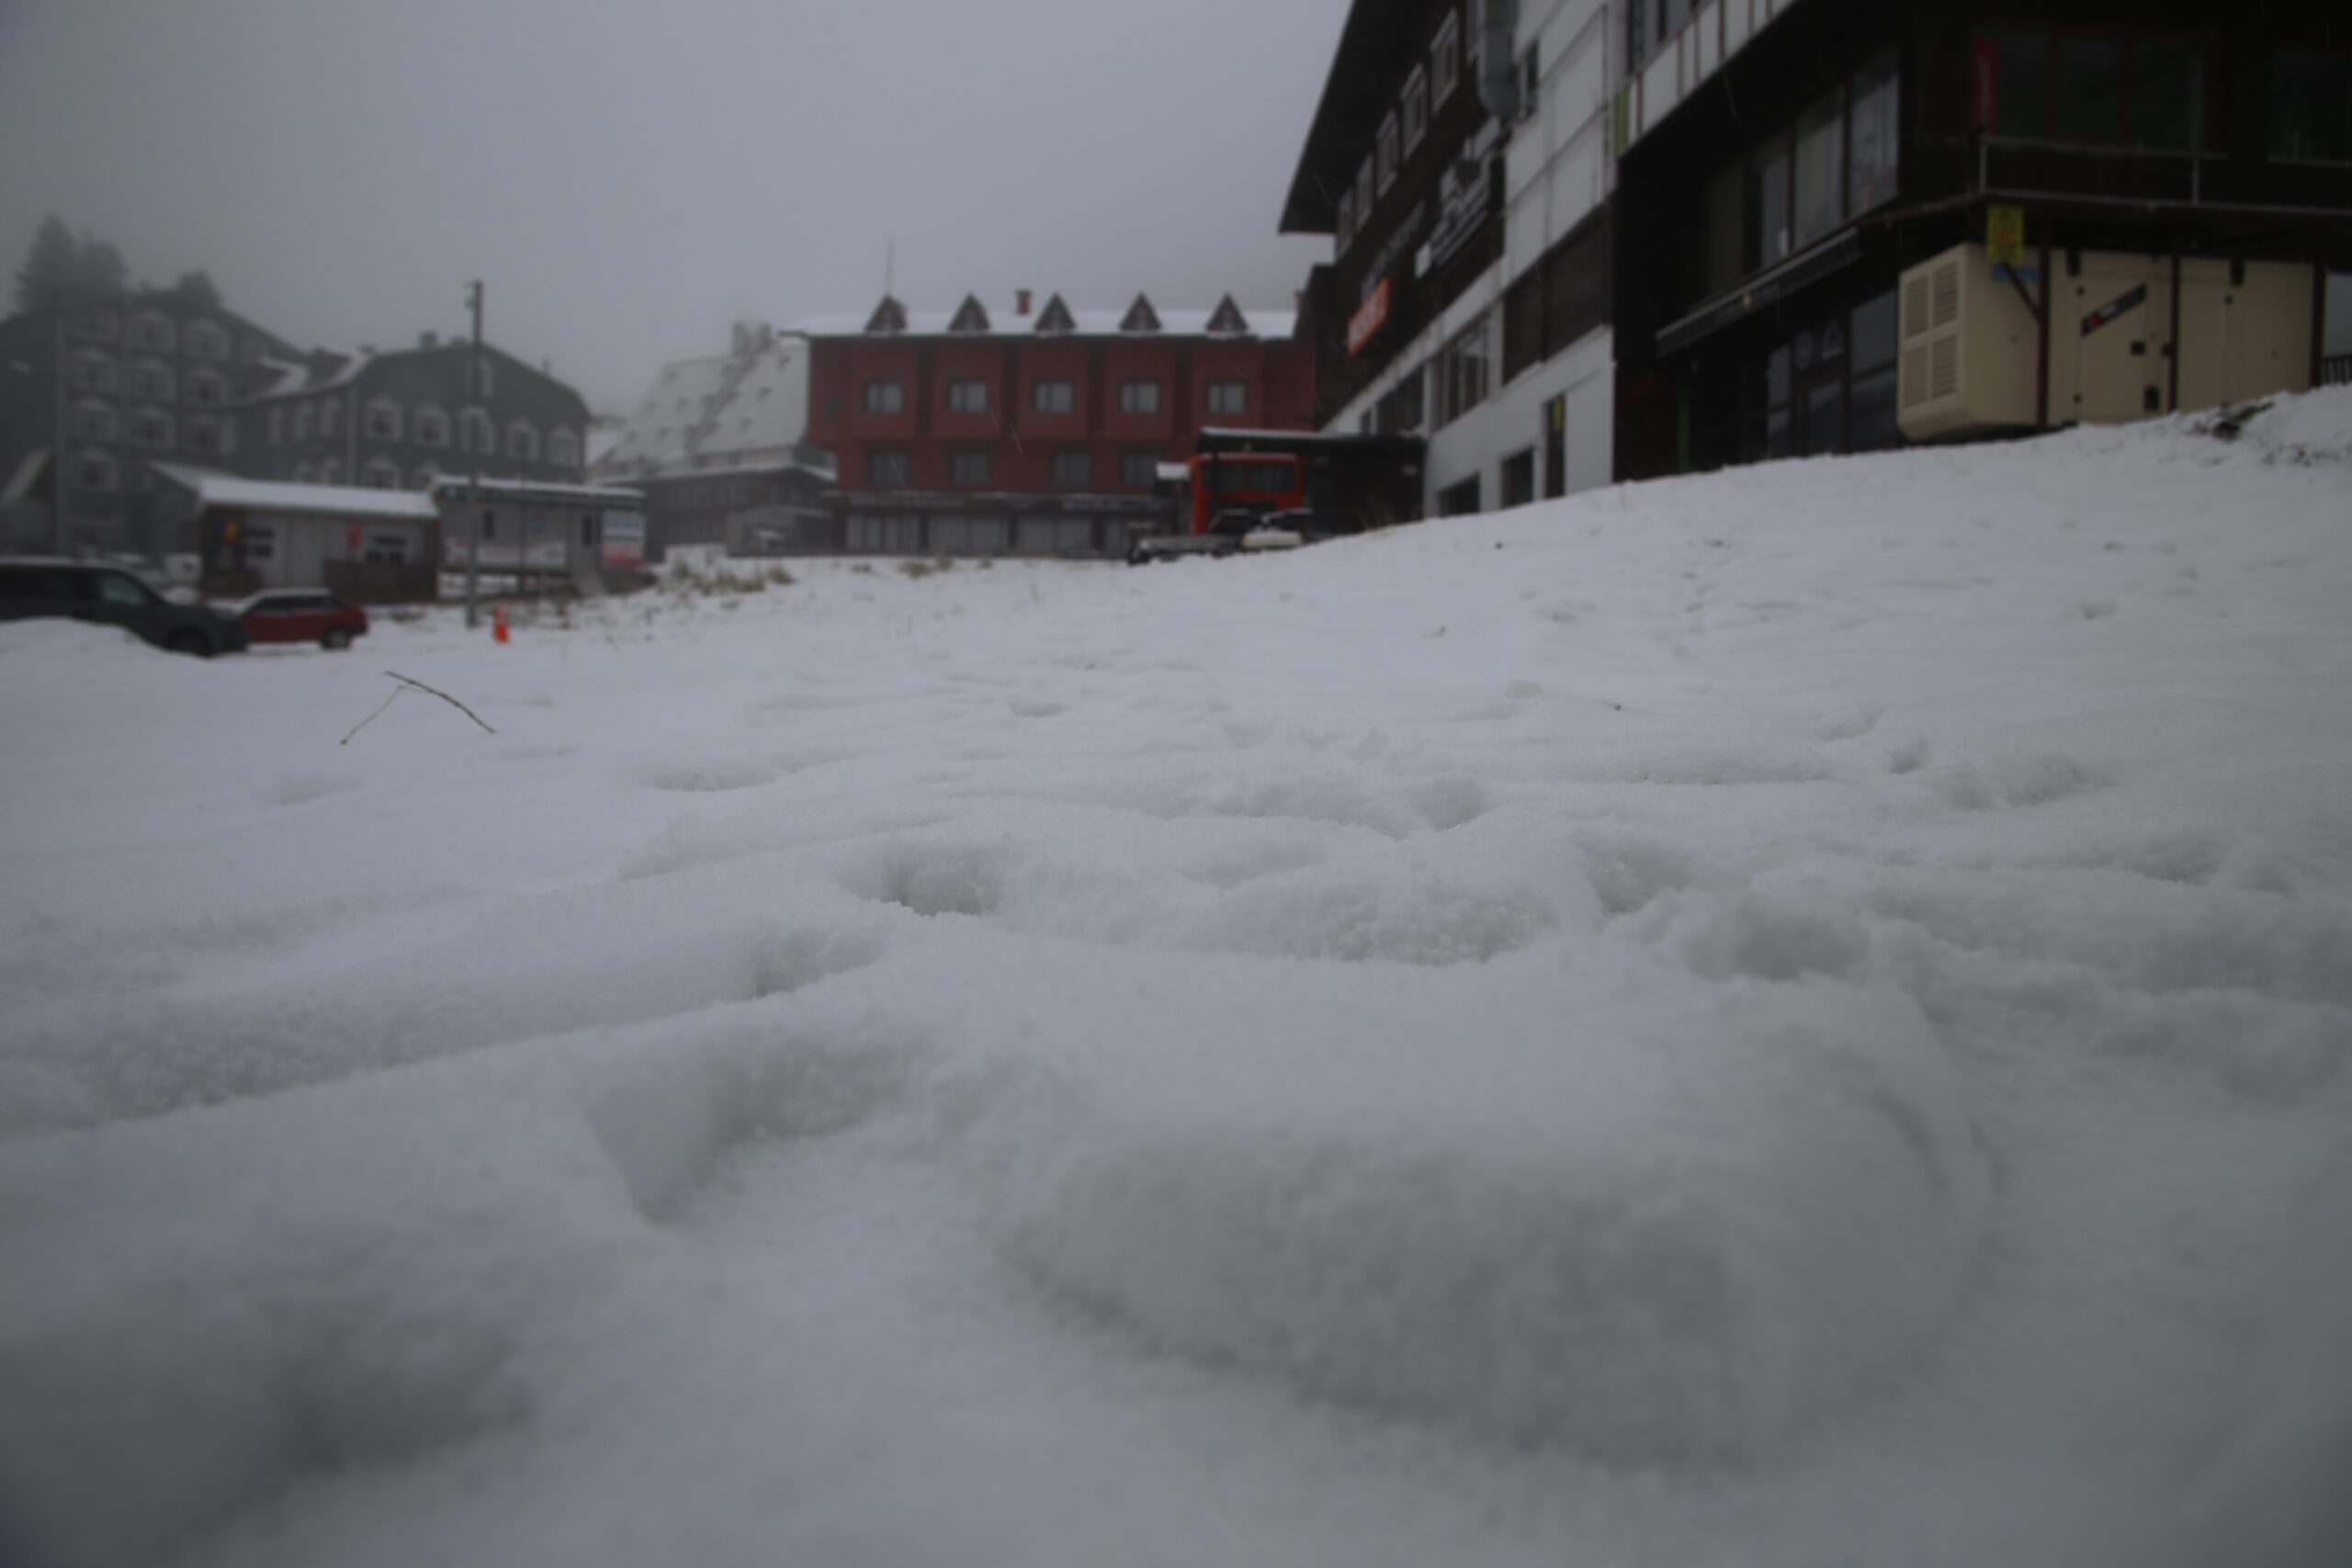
632,176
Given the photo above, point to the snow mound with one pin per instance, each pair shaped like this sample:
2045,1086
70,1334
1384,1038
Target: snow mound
1640,1221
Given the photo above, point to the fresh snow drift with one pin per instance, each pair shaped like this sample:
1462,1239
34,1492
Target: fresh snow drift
1787,1018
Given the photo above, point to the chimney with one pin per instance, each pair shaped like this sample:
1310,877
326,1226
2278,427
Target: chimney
428,340
1021,302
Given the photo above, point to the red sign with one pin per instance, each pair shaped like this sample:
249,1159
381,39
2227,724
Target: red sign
1370,317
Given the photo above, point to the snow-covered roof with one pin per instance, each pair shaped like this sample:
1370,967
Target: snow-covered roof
730,410
1006,321
268,495
613,493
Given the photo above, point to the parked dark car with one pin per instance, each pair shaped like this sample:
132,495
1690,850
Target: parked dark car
301,614
34,588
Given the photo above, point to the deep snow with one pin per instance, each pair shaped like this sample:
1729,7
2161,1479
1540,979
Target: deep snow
1789,1017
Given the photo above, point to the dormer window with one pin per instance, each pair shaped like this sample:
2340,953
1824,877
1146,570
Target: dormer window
888,319
1140,316
1055,317
970,316
1228,320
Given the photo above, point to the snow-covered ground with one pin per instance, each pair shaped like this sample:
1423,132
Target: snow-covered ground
1796,1017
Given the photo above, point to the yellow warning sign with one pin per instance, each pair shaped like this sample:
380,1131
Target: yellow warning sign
2005,235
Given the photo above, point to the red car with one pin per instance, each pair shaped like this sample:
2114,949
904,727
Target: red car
301,614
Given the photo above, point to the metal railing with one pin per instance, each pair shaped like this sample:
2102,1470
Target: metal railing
2335,370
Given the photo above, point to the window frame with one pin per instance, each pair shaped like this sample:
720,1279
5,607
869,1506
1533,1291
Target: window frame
1387,154
883,395
958,400
1072,469
1239,387
1445,59
883,462
962,461
1063,397
1417,108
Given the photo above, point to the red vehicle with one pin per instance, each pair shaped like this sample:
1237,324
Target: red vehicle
301,614
1240,500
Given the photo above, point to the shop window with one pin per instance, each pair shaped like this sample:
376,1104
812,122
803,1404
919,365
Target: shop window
261,546
1870,415
1873,338
2013,82
2168,96
2098,89
2310,106
1776,403
1518,478
1459,500
1825,417
385,549
1875,136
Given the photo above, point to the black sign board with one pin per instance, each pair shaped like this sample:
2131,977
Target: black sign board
2114,307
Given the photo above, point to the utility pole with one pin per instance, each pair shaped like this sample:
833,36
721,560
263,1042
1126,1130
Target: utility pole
473,486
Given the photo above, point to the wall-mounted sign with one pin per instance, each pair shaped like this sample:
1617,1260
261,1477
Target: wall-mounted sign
2005,235
2122,304
624,539
1466,189
1371,316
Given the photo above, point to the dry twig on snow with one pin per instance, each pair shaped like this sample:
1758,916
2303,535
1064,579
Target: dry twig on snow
408,683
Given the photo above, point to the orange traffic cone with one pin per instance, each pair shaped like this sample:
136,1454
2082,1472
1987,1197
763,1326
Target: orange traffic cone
498,622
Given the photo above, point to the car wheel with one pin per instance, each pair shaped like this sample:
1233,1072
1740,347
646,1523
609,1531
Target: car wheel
338,636
191,642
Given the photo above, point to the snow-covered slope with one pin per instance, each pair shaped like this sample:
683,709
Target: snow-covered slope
1792,1018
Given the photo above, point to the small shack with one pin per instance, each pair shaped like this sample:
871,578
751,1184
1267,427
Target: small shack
378,546
544,537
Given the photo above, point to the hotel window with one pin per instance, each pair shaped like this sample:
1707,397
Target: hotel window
96,470
968,468
1875,134
523,442
888,466
1417,108
1820,169
967,397
2094,89
100,324
885,397
431,427
1054,397
1364,193
152,427
152,378
206,389
1445,59
1228,396
203,435
206,340
2310,106
1344,225
381,473
1138,397
1139,471
95,421
563,447
95,371
149,330
383,420
1464,371
1386,152
1072,469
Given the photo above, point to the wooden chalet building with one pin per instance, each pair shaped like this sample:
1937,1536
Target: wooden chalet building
1034,431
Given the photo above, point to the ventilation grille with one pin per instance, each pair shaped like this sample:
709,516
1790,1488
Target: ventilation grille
1947,282
1943,379
1914,307
1915,376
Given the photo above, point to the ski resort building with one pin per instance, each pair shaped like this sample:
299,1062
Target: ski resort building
718,447
1034,429
1843,224
1459,160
